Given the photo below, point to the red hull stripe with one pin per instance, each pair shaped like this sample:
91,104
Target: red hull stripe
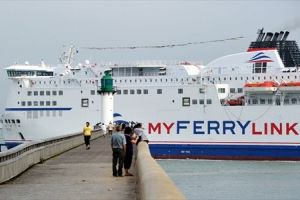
259,49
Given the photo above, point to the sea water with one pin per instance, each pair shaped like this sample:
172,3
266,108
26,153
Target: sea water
242,180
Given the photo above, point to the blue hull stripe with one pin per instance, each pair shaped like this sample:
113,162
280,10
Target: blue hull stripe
236,152
35,109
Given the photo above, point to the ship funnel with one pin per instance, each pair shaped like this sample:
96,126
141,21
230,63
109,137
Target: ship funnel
274,39
286,34
280,35
260,33
268,37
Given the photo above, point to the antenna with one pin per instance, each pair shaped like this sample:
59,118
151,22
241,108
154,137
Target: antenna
67,57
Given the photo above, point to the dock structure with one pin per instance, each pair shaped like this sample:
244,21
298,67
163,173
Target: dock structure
78,174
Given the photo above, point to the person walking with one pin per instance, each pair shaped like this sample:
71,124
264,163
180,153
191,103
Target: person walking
118,145
129,150
87,132
110,128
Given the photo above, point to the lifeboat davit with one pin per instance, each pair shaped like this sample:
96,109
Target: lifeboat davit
261,87
290,87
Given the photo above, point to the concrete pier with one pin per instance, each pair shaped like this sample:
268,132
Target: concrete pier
78,174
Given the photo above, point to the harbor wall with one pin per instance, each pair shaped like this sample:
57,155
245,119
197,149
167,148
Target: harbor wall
16,160
152,181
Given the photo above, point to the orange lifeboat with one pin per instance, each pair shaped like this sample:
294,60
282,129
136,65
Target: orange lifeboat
261,87
290,87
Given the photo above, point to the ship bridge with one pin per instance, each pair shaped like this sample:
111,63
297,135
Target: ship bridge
20,71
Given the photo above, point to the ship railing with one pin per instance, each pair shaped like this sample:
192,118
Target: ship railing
18,159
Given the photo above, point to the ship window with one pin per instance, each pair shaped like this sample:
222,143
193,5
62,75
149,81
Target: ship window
264,68
1,121
35,114
219,78
180,91
201,90
42,103
159,91
54,103
208,101
48,103
139,91
201,101
236,78
131,91
125,91
85,103
265,78
48,93
23,103
18,121
286,101
262,101
252,77
13,121
232,90
186,101
145,91
241,78
240,90
93,92
6,121
35,93
42,93
270,101
194,101
221,90
294,101
35,103
54,93
41,113
119,91
60,92
258,78
29,114
254,101
29,103
29,93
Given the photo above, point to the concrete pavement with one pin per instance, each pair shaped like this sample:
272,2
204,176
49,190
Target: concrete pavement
78,174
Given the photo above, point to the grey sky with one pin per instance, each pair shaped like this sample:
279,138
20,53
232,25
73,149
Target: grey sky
35,30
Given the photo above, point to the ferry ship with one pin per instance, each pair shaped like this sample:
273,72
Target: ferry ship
240,106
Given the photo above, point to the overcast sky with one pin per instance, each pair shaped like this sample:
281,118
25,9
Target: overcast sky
35,30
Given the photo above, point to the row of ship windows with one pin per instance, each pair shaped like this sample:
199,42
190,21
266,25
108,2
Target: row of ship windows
10,121
38,103
208,79
180,91
186,101
41,113
49,93
270,101
248,78
68,81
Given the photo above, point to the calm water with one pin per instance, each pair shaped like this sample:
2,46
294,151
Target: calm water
243,180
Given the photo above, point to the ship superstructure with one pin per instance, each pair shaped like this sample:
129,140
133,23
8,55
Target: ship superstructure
240,106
